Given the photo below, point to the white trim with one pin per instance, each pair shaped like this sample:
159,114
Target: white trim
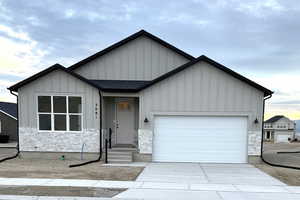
67,113
203,113
8,114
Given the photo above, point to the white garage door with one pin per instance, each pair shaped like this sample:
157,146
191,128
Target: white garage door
200,139
282,138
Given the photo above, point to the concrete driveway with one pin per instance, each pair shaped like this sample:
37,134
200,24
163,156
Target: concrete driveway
208,182
243,174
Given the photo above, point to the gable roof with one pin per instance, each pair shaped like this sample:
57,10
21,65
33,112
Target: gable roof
136,86
274,119
215,64
10,109
47,71
120,85
126,40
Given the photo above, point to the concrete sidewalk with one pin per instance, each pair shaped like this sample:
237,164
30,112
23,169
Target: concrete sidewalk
149,185
178,181
163,190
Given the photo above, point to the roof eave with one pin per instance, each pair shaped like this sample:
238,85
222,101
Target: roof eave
9,115
266,91
47,71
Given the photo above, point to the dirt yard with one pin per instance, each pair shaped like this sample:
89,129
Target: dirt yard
288,176
26,168
282,146
59,191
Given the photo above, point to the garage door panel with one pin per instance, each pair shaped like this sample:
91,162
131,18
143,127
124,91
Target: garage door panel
200,139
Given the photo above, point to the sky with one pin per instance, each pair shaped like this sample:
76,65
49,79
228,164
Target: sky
256,38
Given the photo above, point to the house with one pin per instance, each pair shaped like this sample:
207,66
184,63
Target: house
155,98
8,121
279,129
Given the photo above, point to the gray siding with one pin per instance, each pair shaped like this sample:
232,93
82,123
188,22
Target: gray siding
8,126
140,59
205,90
57,82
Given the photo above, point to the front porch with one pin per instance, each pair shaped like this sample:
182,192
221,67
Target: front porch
120,125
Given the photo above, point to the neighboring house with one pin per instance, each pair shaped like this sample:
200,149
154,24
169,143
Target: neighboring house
8,120
156,98
279,129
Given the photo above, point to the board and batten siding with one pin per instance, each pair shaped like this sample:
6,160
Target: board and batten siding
204,90
140,59
58,83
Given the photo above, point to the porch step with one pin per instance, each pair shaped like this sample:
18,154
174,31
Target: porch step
115,156
123,149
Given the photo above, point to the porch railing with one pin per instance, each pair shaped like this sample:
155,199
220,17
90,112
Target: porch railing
106,150
109,137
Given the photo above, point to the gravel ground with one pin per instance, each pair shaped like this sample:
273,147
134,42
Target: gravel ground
59,191
282,146
288,159
288,176
33,168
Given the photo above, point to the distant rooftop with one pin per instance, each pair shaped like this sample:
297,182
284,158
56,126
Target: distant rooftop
274,119
9,108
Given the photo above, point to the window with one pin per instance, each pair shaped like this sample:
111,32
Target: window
59,113
268,126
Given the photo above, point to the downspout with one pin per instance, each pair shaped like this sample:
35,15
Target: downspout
18,146
262,141
100,137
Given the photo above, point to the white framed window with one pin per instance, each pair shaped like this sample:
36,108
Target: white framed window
59,113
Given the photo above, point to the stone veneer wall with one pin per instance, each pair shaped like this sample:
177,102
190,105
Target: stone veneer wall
32,140
146,137
145,141
254,143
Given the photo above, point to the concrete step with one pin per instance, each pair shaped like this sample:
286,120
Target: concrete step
123,149
119,152
119,156
119,161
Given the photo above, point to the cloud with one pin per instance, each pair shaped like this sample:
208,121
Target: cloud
183,18
69,13
19,54
4,95
13,34
292,102
290,111
260,8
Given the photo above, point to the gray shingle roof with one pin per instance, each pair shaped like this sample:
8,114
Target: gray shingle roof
274,119
120,85
9,108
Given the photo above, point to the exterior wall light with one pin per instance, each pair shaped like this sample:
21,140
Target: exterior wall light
146,120
256,121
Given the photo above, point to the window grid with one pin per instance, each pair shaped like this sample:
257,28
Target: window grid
67,114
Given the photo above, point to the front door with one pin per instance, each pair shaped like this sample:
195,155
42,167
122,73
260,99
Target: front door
125,120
